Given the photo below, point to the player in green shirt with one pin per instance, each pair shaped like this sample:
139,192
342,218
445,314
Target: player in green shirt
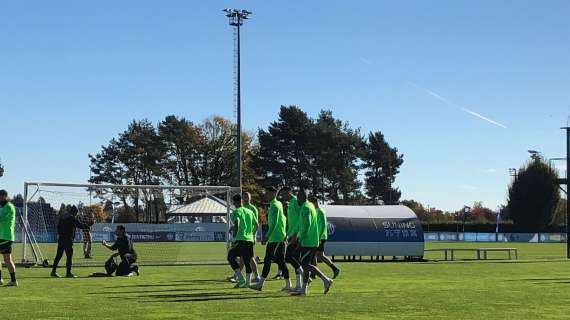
292,254
7,224
323,233
275,239
250,206
242,246
253,262
309,238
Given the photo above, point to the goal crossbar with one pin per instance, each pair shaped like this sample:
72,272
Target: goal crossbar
33,189
131,186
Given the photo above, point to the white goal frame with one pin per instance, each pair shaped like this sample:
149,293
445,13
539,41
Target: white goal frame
29,238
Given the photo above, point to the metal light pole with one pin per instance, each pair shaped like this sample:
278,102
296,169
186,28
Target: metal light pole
466,210
498,220
236,18
554,159
565,181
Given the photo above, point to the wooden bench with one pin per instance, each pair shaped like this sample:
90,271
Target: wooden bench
477,250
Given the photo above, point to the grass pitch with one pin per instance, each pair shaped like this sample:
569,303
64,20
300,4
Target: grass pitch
536,286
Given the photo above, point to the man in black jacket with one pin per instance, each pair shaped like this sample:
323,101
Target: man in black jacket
124,245
66,226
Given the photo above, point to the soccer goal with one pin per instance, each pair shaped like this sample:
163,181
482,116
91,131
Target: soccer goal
169,225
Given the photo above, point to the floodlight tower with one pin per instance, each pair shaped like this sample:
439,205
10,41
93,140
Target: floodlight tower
236,18
565,181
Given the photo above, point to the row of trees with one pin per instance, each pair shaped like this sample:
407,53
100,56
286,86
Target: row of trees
322,154
477,213
177,151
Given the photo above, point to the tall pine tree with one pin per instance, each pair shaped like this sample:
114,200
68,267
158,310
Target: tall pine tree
382,164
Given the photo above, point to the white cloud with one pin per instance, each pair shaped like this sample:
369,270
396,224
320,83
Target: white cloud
491,170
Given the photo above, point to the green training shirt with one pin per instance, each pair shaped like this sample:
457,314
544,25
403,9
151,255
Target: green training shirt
276,222
322,222
293,217
255,212
308,226
7,222
245,218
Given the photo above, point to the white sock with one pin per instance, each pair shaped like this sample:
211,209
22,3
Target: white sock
287,283
305,287
247,279
299,280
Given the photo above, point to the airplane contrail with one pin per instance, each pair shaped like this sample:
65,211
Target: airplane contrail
475,114
452,104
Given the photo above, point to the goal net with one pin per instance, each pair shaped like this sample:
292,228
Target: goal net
169,225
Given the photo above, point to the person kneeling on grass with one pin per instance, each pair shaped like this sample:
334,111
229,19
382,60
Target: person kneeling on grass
126,251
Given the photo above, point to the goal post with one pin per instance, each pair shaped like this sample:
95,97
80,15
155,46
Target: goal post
169,224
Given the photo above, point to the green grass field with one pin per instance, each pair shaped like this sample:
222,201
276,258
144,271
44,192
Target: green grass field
538,285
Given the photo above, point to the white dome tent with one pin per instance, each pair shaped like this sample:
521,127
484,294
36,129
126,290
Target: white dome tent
374,231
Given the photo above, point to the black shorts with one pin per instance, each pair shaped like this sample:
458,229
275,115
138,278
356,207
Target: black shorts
243,249
275,251
5,247
307,255
321,247
293,249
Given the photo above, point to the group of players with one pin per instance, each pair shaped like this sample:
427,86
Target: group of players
296,237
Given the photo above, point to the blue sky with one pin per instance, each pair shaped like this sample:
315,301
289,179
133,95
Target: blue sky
74,74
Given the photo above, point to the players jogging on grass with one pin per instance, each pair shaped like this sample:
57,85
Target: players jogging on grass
275,239
7,224
309,238
292,252
323,236
242,246
66,226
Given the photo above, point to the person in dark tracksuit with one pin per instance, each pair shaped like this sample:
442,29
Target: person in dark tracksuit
124,245
66,226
